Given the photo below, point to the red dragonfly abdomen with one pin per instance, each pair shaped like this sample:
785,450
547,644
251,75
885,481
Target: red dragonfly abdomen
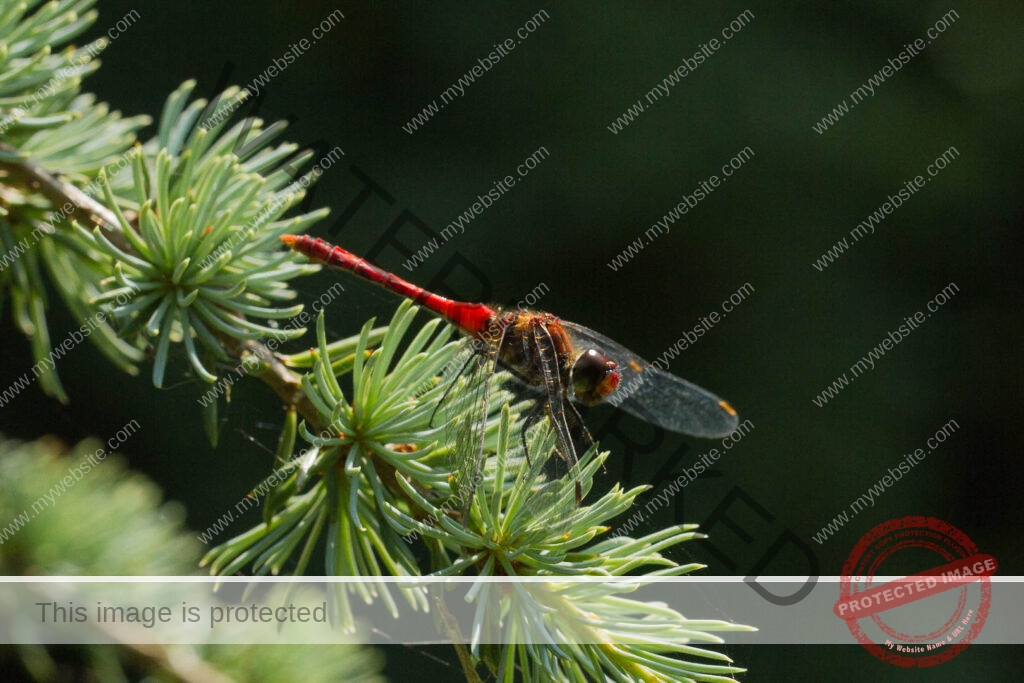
471,318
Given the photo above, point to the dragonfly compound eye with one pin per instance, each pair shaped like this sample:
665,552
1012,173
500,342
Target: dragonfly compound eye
593,377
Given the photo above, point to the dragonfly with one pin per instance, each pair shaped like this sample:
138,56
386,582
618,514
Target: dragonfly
560,362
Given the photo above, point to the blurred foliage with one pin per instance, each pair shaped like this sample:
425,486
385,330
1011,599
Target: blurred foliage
112,521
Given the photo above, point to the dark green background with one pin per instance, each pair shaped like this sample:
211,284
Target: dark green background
597,192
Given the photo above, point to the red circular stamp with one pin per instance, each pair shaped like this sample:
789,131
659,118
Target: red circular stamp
931,614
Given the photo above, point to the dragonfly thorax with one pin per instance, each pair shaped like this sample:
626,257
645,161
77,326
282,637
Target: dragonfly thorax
538,351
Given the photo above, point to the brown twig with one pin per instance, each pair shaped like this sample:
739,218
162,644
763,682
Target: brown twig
275,374
191,669
451,628
36,178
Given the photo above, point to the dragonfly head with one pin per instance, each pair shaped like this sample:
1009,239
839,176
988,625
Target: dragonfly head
593,377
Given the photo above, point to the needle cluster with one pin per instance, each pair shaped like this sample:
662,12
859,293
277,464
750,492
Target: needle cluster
374,477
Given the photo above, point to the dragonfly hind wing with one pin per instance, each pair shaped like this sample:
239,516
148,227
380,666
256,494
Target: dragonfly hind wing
465,412
677,405
656,396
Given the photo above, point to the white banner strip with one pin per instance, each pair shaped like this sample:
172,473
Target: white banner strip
586,609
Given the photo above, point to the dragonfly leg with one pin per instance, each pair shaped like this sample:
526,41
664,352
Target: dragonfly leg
451,385
535,414
581,429
576,421
477,458
557,396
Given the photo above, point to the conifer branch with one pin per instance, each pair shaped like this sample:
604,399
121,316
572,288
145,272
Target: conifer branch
274,373
182,249
36,178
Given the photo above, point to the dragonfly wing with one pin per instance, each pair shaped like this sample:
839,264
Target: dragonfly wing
656,396
679,406
465,410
